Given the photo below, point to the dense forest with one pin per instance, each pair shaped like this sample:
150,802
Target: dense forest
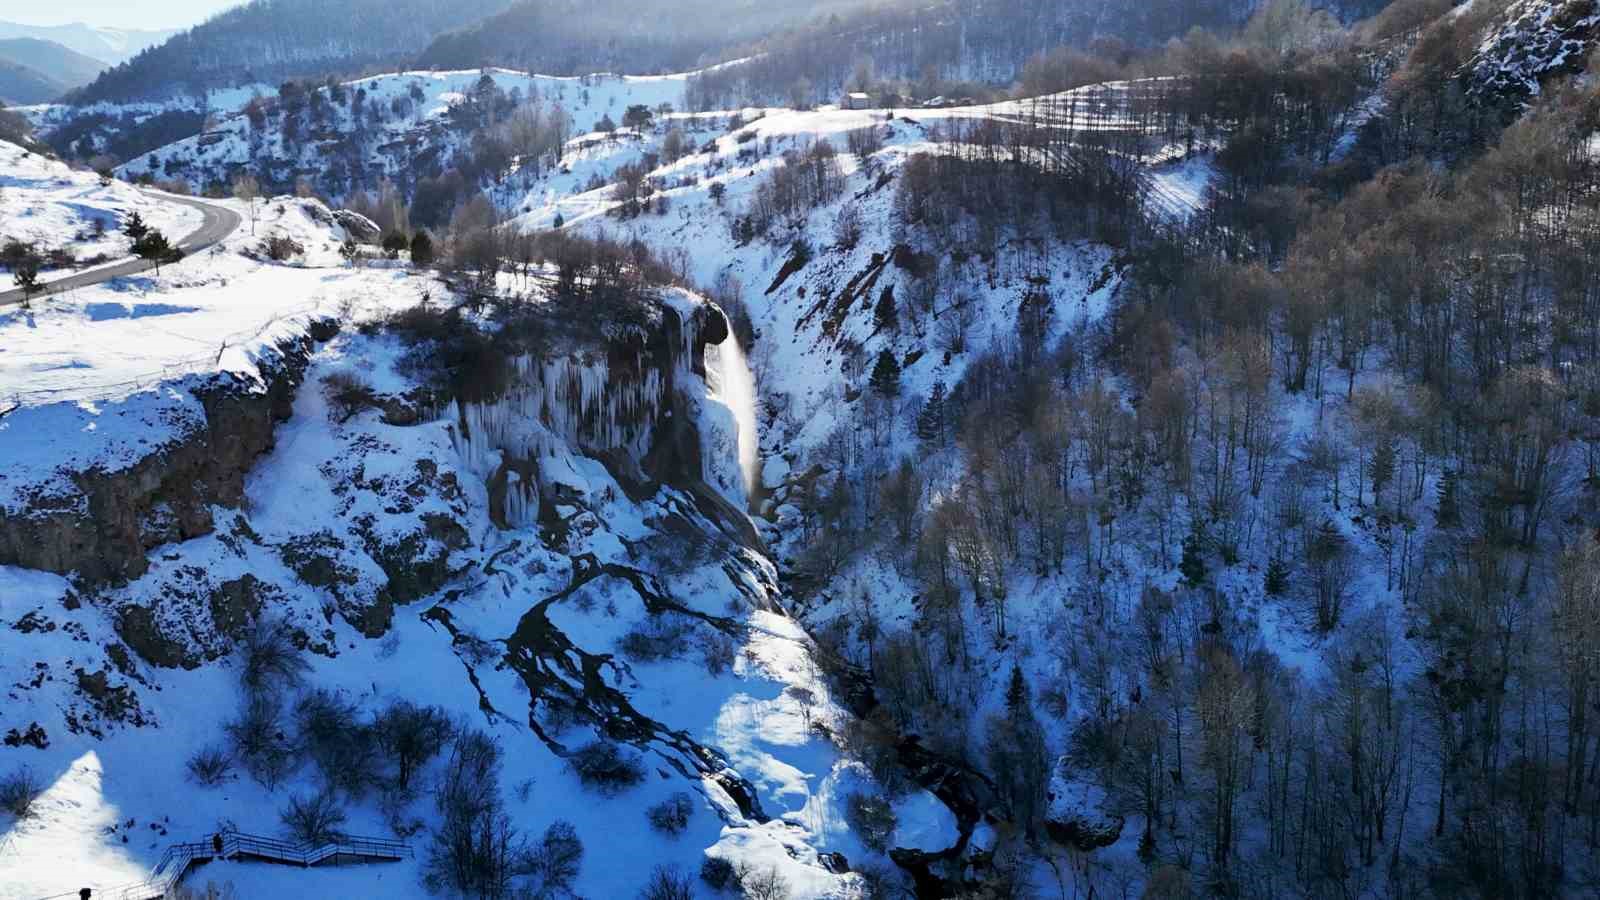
958,47
574,38
1359,391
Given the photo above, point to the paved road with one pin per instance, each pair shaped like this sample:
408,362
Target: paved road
219,223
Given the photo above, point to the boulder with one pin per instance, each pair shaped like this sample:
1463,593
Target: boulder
1079,814
358,227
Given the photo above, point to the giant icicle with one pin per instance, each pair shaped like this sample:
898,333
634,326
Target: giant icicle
605,399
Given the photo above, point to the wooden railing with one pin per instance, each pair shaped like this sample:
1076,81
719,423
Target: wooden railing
175,863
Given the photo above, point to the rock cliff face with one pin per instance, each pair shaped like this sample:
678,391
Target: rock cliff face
625,397
1534,40
101,521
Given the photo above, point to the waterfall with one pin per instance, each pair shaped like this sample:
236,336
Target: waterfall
737,386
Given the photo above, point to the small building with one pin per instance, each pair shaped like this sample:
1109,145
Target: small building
857,100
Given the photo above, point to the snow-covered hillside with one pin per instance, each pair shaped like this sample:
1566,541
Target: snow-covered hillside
807,342
52,207
506,563
396,126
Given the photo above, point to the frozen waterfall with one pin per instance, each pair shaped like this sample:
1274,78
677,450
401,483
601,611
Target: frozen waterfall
737,388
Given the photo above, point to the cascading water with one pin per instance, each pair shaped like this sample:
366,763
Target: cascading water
736,385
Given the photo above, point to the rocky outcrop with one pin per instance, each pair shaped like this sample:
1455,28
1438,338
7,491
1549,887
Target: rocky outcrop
1534,41
1079,815
196,620
103,526
357,227
613,389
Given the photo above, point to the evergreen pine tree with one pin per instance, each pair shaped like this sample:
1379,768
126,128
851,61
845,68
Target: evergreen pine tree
1382,467
25,274
886,375
1277,576
421,249
1018,705
135,227
1193,564
153,247
930,421
1449,512
885,315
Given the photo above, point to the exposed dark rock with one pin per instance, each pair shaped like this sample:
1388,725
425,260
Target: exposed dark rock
138,628
31,622
104,532
1532,42
323,330
113,702
34,736
357,226
312,557
236,605
1078,816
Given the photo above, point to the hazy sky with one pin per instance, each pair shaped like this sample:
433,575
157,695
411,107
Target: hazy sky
114,13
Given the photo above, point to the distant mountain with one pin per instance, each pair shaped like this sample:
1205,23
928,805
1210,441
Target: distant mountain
23,86
60,64
986,38
110,45
967,42
564,37
272,40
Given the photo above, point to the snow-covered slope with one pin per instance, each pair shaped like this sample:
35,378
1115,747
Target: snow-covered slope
506,562
394,126
54,207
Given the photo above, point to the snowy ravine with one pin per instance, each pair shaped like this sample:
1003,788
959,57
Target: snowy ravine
505,562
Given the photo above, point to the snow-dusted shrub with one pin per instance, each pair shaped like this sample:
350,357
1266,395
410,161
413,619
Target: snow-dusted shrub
476,848
872,818
847,226
344,749
347,394
281,248
864,142
655,639
209,766
765,885
258,740
18,791
313,820
719,873
672,814
269,658
452,352
667,882
557,858
606,766
719,651
408,736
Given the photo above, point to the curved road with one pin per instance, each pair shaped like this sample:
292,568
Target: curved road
219,223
